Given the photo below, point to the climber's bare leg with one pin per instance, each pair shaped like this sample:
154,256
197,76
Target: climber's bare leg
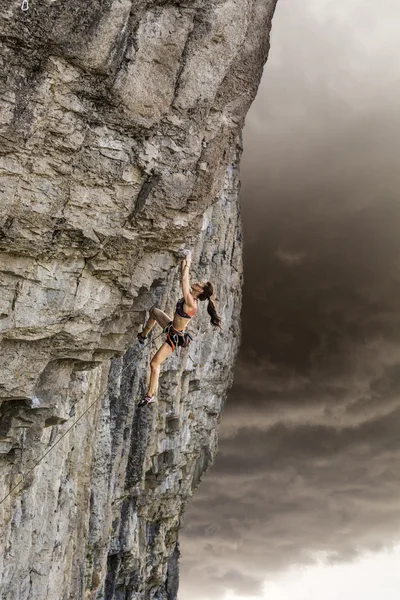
155,365
156,316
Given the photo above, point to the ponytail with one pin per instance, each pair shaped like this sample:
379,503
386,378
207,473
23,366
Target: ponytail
208,291
215,319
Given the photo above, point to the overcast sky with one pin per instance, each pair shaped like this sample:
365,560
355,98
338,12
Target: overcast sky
309,460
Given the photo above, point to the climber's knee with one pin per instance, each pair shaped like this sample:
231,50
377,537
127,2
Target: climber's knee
152,312
154,364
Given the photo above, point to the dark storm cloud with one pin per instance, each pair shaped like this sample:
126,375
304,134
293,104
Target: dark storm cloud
280,496
309,446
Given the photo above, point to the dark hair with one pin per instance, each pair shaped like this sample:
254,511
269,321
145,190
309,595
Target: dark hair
206,294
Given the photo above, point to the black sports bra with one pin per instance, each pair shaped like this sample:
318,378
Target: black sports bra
181,312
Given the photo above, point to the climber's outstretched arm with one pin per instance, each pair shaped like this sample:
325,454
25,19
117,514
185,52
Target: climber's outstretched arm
186,262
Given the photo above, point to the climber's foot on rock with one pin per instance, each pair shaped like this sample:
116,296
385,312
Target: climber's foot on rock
147,400
141,338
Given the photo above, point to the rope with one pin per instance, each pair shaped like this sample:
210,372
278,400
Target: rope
68,430
50,449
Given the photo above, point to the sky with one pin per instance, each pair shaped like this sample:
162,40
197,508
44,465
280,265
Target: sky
303,500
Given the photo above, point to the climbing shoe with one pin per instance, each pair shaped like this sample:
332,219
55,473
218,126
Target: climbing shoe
147,400
141,338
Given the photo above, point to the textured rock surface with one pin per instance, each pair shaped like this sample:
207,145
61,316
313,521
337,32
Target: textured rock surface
119,129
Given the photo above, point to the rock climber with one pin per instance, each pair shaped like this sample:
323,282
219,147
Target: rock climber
174,328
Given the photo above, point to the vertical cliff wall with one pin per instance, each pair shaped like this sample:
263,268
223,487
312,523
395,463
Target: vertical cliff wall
119,143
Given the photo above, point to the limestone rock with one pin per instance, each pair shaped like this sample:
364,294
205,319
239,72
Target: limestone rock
120,132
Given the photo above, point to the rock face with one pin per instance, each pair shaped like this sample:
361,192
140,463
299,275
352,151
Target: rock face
119,143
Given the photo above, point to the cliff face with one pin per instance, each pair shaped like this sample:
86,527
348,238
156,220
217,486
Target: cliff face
119,129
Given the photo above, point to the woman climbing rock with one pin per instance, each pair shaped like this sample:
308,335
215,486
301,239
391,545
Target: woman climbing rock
174,328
